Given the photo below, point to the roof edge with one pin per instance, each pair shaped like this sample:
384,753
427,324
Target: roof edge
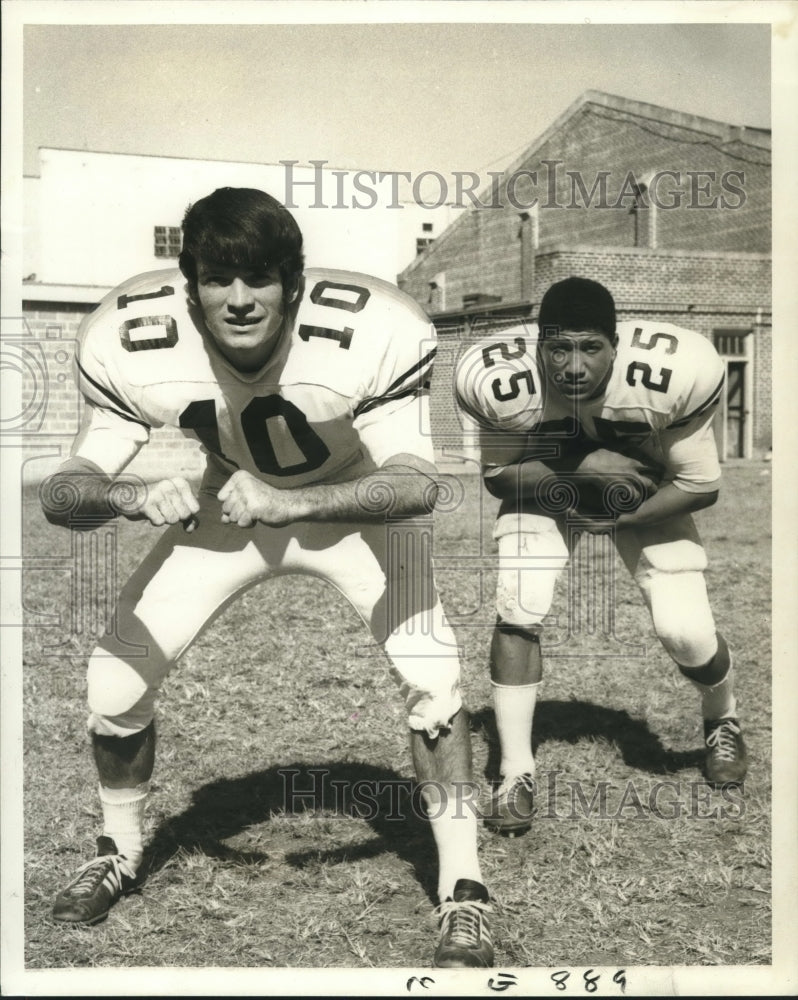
681,119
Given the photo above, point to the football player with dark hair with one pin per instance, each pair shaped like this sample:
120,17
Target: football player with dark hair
309,393
242,227
586,426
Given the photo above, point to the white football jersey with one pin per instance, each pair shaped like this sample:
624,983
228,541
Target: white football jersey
345,388
664,386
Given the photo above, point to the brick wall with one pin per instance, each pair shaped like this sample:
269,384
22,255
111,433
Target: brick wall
481,251
682,279
704,176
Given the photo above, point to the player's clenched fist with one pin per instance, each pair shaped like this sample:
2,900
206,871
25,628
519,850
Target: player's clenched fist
167,502
246,500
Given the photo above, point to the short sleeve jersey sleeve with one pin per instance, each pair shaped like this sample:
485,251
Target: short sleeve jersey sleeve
395,359
497,383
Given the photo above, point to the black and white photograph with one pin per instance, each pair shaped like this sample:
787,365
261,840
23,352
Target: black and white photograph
398,523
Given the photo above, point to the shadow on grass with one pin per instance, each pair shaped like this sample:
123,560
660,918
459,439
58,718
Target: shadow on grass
572,721
227,807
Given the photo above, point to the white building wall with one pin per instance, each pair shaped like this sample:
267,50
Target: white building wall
95,213
31,254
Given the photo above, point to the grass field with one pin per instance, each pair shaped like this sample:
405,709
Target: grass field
664,872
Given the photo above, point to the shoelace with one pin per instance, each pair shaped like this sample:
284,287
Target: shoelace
723,740
511,786
463,922
95,871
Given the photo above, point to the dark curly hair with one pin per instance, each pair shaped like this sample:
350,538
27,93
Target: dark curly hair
577,304
242,227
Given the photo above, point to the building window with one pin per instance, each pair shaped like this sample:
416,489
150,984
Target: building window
422,242
167,241
730,343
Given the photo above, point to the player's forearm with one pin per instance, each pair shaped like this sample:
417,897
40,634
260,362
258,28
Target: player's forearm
394,491
518,481
669,501
77,496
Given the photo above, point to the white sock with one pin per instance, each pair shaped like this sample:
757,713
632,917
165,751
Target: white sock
515,708
455,833
123,819
717,700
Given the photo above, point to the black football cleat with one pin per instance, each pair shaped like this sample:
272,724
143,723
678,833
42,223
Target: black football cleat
726,762
96,887
512,806
465,941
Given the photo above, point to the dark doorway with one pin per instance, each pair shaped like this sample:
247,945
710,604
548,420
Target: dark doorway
735,409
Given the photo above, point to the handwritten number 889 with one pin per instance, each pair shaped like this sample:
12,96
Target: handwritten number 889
591,981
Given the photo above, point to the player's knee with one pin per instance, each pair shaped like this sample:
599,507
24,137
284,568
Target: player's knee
682,616
688,647
519,606
121,725
425,664
532,553
524,594
687,634
431,693
121,702
432,711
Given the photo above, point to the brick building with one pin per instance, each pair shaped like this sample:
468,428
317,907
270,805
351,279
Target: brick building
669,210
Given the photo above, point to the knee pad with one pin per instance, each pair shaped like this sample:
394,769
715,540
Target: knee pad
532,554
121,701
682,617
426,668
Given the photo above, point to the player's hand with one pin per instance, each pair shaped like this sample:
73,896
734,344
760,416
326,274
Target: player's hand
606,483
167,502
247,500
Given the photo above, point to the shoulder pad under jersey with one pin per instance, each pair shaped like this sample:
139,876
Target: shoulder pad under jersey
370,340
678,370
497,382
136,317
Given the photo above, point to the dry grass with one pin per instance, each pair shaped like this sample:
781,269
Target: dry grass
280,681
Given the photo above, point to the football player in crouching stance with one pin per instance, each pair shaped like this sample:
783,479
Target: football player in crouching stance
309,394
586,427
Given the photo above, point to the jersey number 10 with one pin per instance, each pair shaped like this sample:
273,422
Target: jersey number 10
200,415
